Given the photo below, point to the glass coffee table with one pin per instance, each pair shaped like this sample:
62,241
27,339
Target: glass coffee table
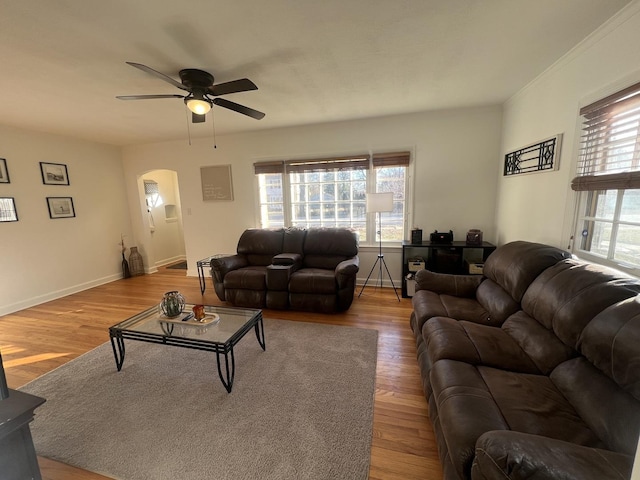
221,329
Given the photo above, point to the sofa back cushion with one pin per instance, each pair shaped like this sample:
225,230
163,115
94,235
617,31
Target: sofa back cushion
611,341
515,265
260,245
567,295
294,240
539,343
327,247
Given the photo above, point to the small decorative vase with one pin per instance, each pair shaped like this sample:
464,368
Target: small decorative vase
136,266
172,304
125,267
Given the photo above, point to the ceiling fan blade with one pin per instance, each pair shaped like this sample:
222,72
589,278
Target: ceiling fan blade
195,118
161,76
236,107
241,85
147,97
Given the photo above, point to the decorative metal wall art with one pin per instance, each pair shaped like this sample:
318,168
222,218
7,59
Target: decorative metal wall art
537,157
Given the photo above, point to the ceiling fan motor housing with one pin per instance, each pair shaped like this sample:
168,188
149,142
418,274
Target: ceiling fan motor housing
193,78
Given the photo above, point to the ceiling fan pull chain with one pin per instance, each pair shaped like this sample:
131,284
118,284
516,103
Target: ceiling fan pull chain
186,112
213,125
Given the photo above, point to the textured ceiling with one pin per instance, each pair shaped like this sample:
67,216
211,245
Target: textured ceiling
63,62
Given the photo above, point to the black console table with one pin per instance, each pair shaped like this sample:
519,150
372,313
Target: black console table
454,257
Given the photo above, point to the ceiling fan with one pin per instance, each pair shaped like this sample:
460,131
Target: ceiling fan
200,88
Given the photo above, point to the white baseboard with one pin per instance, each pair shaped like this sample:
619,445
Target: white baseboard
33,301
169,261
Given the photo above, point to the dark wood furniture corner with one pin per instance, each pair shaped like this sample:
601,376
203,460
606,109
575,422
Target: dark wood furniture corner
453,257
18,459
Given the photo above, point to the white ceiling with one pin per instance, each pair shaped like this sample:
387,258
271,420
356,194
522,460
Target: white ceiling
63,62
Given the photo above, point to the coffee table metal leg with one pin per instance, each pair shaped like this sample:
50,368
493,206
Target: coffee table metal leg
227,377
119,354
260,333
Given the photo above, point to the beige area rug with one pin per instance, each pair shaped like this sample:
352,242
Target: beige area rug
302,409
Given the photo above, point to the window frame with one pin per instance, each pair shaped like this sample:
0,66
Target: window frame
602,170
375,162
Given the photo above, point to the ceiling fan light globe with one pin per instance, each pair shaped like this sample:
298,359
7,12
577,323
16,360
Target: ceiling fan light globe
199,107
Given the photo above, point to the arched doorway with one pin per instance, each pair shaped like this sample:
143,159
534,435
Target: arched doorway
163,218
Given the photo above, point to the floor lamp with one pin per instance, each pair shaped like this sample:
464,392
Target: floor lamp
378,203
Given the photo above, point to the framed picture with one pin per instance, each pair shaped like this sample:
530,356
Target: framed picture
4,173
61,207
8,211
54,173
216,183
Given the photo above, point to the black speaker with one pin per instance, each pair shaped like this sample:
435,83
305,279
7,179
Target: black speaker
416,236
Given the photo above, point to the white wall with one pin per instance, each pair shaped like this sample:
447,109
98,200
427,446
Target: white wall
43,258
455,154
539,207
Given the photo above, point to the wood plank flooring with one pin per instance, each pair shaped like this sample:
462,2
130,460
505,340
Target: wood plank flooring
37,340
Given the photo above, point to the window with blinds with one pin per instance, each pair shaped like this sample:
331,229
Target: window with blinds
608,179
331,192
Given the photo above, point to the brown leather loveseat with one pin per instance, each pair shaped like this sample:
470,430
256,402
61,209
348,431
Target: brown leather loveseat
532,371
302,269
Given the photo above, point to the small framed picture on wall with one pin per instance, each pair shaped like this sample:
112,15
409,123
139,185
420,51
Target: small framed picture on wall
54,173
8,211
61,207
4,173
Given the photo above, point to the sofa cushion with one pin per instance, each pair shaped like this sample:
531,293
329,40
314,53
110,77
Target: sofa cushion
514,265
313,280
567,295
293,240
540,344
260,245
475,344
327,247
427,304
248,278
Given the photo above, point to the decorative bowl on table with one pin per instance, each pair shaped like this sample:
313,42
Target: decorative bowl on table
172,304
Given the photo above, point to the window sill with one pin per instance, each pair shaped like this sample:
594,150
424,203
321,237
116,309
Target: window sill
596,260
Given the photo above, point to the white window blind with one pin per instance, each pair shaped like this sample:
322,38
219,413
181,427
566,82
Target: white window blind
610,143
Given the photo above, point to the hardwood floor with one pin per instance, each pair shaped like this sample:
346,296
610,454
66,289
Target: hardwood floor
37,340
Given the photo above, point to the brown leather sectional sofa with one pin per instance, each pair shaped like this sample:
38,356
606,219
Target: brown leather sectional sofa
532,371
302,269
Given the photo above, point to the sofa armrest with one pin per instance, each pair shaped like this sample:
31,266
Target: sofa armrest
346,270
515,455
287,259
221,266
446,284
278,277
